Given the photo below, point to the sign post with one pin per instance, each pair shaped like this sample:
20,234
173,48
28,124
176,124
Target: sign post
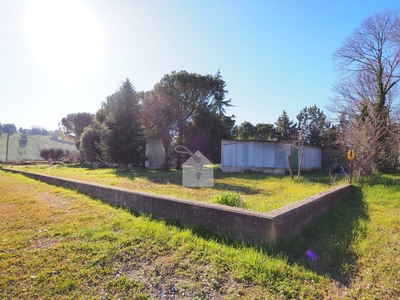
350,156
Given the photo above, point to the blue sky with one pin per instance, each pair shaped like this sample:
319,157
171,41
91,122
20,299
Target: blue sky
60,57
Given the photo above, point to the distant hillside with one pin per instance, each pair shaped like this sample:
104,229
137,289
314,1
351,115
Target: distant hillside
17,151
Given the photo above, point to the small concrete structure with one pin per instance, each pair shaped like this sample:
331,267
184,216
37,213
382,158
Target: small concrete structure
236,223
269,156
155,154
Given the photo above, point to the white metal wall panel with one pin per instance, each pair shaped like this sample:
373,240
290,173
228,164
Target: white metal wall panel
317,159
228,154
312,158
240,155
257,158
269,155
259,155
251,159
281,154
245,154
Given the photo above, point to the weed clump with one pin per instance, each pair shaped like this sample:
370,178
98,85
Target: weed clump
230,199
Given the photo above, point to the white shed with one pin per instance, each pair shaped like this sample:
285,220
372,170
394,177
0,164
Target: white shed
268,157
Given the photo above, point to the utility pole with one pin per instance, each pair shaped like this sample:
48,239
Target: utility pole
8,136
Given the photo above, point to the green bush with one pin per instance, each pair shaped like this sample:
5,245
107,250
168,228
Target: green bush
230,198
52,154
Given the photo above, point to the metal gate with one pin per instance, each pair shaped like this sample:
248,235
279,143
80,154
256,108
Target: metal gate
294,158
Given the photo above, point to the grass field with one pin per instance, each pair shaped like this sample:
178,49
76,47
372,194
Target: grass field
258,191
18,152
57,243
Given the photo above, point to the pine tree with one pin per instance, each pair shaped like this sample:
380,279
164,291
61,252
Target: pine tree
123,138
285,128
318,131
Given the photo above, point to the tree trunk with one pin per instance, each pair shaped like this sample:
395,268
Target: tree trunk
290,168
301,154
166,164
180,142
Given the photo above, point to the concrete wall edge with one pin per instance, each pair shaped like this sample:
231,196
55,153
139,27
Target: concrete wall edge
239,224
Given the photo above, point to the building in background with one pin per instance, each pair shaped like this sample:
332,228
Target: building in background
269,157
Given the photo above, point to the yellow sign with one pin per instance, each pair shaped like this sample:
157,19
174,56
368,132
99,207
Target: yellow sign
350,154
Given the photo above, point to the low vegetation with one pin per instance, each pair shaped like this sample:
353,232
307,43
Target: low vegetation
57,243
230,199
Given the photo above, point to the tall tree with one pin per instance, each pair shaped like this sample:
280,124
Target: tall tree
206,130
90,143
73,126
264,132
285,128
9,128
161,117
220,104
190,91
369,61
246,131
373,50
121,115
315,125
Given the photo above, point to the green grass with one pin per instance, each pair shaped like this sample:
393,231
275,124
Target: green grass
230,199
32,149
56,243
259,192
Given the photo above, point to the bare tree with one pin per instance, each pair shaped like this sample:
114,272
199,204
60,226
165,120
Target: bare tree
366,102
361,134
297,140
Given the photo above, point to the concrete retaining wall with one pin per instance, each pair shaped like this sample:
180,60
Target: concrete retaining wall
238,224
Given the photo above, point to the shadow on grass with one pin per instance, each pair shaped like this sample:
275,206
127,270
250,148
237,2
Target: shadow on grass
320,177
326,247
155,176
84,166
175,177
237,188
